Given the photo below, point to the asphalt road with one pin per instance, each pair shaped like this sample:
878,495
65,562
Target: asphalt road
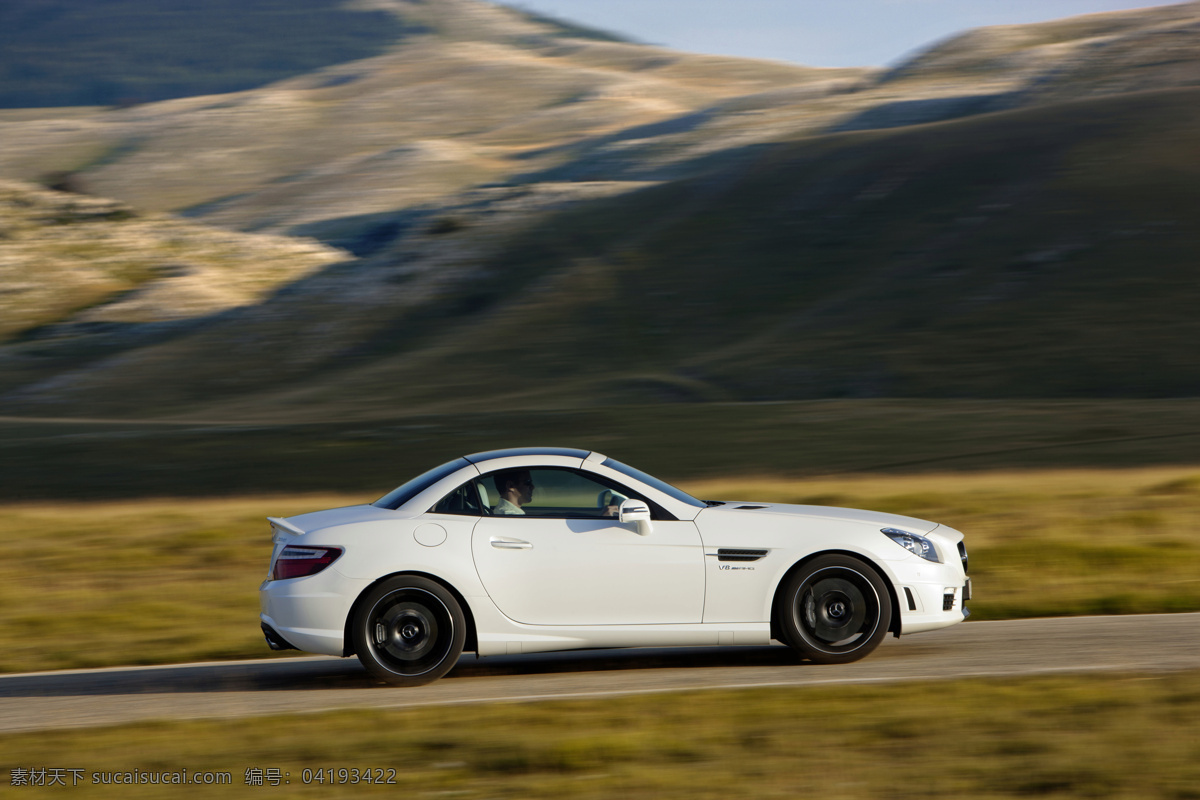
83,698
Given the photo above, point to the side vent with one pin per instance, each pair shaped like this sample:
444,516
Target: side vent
912,601
727,554
746,508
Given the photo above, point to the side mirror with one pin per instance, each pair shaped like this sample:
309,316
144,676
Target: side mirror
636,511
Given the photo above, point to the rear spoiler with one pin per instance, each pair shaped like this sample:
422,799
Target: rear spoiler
284,525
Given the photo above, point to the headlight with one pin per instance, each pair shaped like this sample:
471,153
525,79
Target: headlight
917,545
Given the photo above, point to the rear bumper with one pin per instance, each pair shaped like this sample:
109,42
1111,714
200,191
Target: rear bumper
309,613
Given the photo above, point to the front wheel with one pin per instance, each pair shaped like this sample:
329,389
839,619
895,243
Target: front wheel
409,631
835,610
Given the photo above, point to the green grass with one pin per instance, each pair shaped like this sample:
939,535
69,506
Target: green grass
90,584
1117,736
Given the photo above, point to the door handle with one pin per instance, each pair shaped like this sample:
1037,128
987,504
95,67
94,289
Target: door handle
501,543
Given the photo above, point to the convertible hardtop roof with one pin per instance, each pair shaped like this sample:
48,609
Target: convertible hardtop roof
568,452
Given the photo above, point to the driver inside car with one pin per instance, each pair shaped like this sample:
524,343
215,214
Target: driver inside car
516,489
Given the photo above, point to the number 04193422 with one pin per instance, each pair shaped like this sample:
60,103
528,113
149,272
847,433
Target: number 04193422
349,775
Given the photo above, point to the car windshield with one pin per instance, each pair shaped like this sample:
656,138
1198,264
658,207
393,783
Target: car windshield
401,495
654,482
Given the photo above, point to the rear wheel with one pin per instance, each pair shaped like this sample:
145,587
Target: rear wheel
834,610
409,631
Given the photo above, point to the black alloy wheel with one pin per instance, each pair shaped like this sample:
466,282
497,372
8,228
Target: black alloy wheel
409,631
835,610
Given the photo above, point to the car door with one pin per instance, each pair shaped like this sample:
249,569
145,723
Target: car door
563,562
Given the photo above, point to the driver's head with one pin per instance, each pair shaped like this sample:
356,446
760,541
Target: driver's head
515,484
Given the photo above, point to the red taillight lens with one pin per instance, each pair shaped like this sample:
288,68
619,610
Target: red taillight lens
297,562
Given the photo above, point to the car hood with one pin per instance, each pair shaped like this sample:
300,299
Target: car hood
911,524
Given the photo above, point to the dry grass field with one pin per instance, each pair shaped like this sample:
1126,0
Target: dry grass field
1113,736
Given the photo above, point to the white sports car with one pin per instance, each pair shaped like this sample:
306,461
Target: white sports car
536,549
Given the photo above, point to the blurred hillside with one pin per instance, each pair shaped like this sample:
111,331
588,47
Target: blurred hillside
96,261
84,52
545,217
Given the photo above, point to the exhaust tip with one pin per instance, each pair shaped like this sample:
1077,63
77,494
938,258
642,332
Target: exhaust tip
274,640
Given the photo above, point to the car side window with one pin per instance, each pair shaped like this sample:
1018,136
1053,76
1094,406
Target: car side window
464,501
558,493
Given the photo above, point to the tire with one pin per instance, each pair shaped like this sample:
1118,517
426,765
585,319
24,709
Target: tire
834,610
409,631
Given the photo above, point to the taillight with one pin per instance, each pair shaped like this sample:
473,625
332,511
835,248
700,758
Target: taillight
297,562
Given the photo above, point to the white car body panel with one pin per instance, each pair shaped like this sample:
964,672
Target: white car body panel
568,572
789,533
531,584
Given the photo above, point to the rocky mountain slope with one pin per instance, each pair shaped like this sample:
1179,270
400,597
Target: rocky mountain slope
567,221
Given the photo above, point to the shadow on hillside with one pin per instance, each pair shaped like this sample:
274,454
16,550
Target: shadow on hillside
902,113
364,234
684,123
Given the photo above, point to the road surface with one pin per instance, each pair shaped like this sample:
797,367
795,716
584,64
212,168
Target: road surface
83,698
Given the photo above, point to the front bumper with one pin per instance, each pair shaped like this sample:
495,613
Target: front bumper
933,599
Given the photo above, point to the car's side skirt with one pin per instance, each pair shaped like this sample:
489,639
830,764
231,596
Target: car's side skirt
535,639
